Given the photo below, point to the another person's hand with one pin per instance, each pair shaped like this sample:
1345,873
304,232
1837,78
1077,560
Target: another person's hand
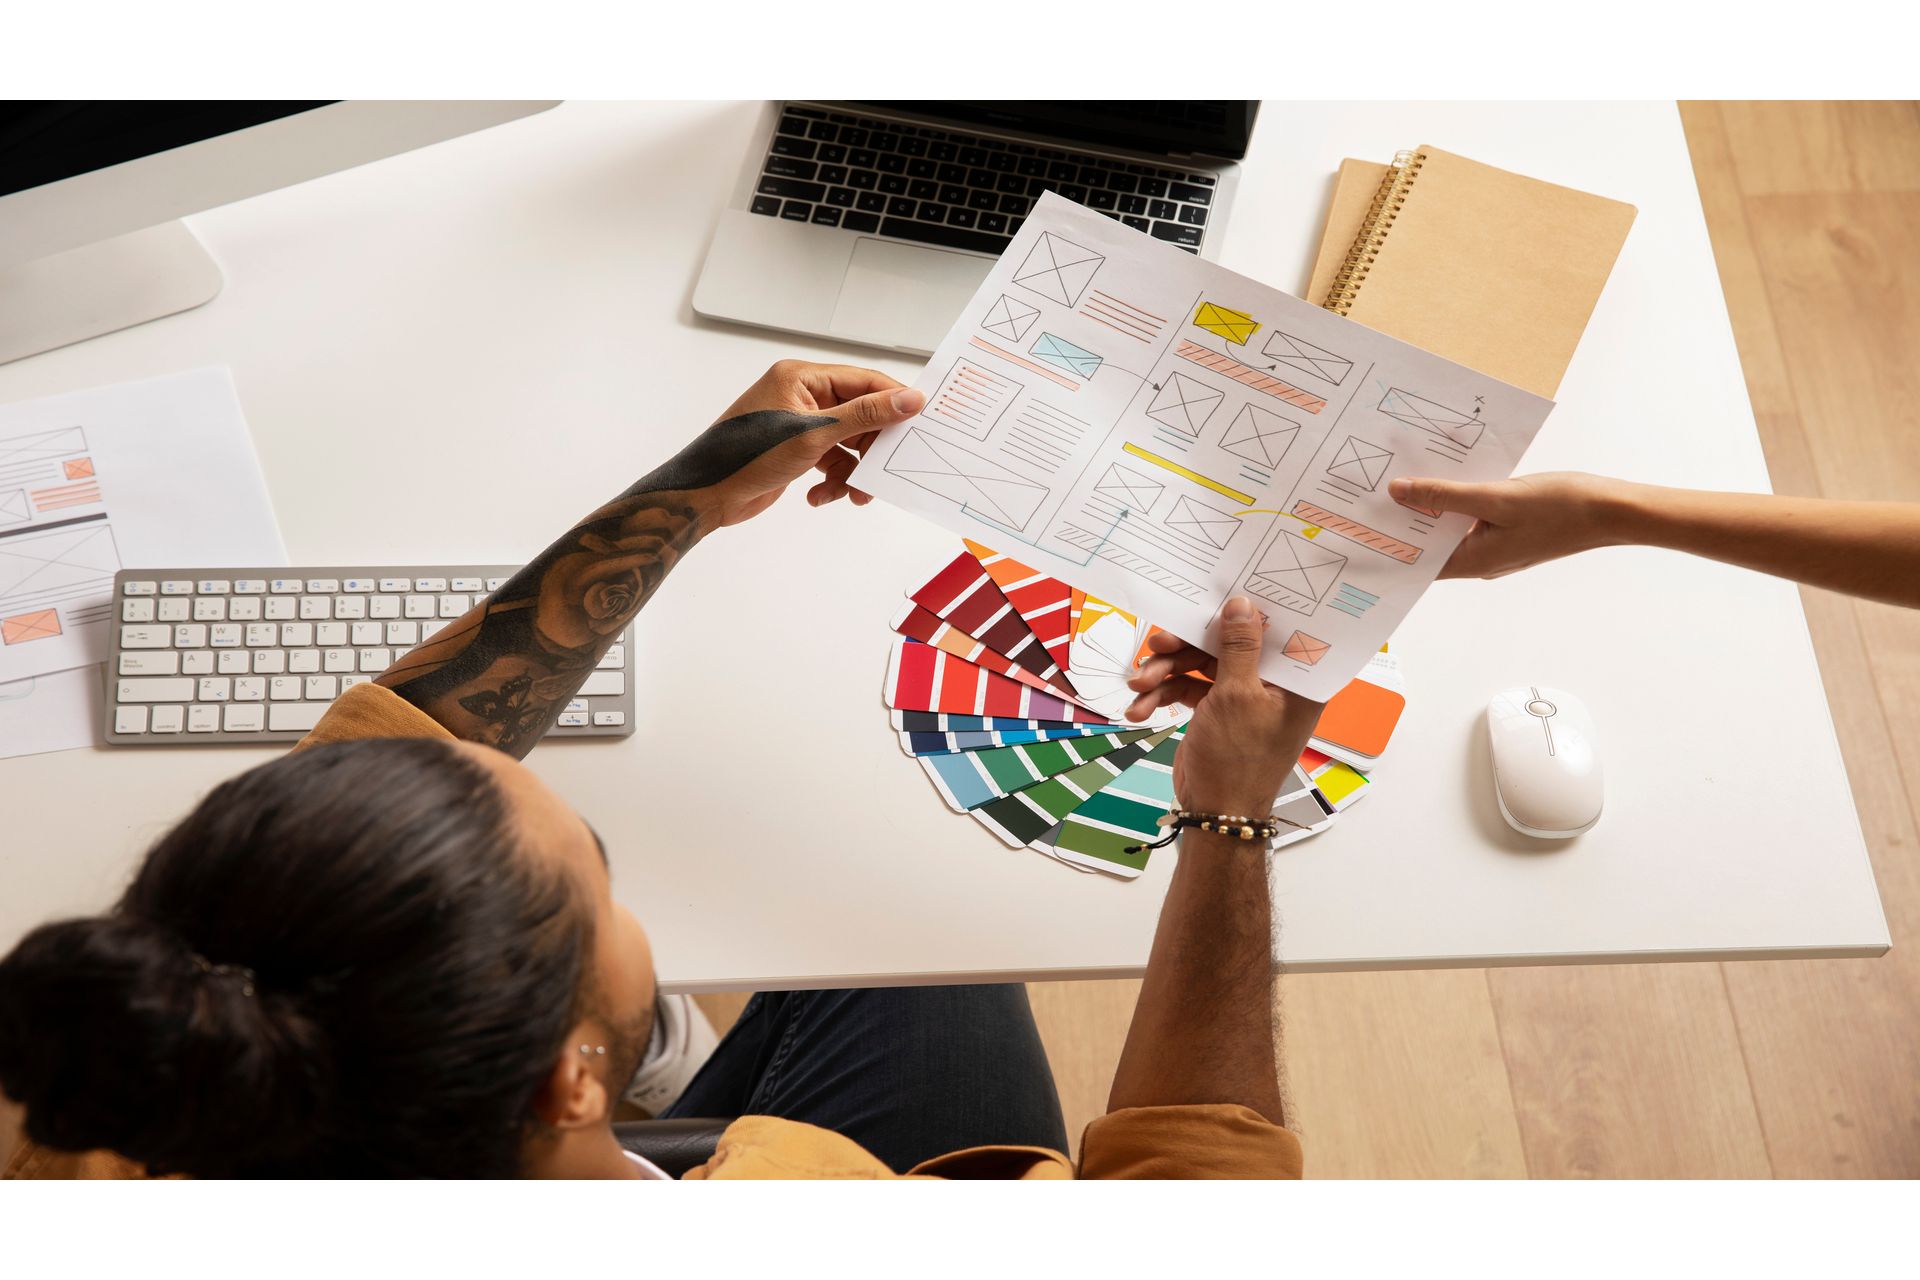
1245,735
1524,521
851,404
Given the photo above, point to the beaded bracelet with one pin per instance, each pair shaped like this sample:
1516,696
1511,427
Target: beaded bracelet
1238,826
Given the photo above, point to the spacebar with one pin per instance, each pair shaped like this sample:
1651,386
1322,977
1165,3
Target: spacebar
941,234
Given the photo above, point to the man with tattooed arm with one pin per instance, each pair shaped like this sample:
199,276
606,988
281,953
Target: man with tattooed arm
396,952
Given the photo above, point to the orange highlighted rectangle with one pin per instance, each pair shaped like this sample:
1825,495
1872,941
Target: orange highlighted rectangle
42,624
1248,376
1025,363
1354,531
1361,717
79,468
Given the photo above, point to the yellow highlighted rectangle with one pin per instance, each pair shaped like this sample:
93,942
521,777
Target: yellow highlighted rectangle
1244,499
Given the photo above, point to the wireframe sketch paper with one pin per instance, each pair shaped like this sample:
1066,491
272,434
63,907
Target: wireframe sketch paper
1163,433
155,472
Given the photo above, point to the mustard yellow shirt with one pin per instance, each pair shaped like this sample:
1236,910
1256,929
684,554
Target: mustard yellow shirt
1141,1142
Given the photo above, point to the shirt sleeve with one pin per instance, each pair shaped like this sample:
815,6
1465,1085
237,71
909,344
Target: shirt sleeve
371,711
1213,1141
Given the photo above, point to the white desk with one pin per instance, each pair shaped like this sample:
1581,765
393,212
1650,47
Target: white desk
452,354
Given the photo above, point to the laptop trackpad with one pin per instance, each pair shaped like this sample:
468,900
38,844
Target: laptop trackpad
902,295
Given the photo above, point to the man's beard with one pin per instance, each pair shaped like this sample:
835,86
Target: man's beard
627,1046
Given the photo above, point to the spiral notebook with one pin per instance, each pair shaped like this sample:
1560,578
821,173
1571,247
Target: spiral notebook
1494,270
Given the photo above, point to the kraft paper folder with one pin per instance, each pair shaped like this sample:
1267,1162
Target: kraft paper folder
1494,270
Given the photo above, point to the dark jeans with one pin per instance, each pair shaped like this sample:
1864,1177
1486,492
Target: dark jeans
909,1073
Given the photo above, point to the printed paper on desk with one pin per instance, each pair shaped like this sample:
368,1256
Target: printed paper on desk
154,472
1166,434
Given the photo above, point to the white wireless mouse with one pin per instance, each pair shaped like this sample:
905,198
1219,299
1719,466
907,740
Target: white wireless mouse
1546,761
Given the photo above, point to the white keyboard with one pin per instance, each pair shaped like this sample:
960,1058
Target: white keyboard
257,655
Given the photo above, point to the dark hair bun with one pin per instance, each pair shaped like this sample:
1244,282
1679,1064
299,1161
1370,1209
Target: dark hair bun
114,1034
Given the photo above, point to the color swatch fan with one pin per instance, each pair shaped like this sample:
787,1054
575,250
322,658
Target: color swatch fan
1009,688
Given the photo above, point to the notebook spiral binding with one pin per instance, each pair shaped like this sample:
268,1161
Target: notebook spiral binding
1386,206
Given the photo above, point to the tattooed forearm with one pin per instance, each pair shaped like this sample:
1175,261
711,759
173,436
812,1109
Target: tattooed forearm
502,673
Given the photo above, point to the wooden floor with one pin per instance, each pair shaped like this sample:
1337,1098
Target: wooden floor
1788,1069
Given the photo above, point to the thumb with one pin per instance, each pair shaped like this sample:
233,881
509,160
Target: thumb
1441,496
1242,634
876,411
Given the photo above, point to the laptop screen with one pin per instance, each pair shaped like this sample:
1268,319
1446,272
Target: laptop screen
1205,128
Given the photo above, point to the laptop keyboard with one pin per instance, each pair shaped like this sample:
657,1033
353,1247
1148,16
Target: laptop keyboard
955,189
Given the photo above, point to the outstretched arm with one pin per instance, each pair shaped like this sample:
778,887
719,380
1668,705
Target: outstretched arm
502,673
1869,549
1203,1029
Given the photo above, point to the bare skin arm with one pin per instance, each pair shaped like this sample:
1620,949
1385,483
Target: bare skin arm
502,673
1203,1029
1869,549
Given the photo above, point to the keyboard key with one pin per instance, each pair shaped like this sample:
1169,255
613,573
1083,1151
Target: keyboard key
833,153
336,660
284,586
860,222
326,585
322,687
376,660
295,634
792,125
190,635
786,189
130,720
349,607
892,184
822,130
215,688
303,661
224,635
1176,233
169,719
901,207
610,718
944,234
396,584
962,217
470,585
800,147
614,657
995,222
1192,195
246,719
1072,191
1016,205
933,212
767,205
841,197
136,611
871,202
243,609
1162,209
982,200
197,663
403,633
209,609
164,663
795,211
1138,224
233,662
825,216
366,633
1193,215
329,633
285,688
923,190
159,689
249,586
250,689
571,720
262,634
177,610
213,587
604,684
494,584
921,168
420,606
203,719
891,165
174,587
289,716
383,607
279,608
1103,200
1153,186
139,588
358,586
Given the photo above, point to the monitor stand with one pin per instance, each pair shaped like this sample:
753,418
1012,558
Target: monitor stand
98,288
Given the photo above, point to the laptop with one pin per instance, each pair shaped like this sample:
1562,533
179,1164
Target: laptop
875,222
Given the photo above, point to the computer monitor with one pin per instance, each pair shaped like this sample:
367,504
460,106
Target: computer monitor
91,194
